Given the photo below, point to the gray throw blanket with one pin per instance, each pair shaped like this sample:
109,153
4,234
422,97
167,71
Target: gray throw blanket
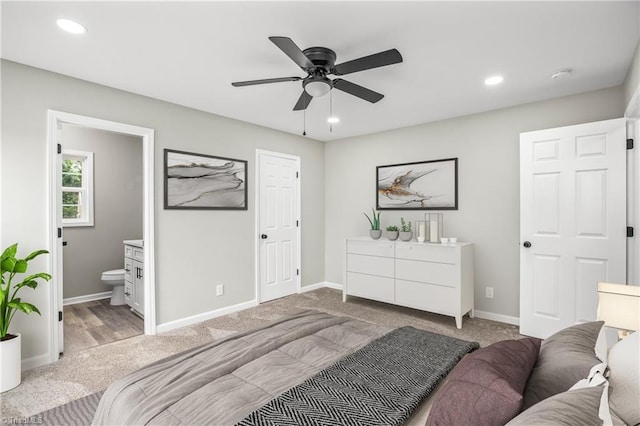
380,384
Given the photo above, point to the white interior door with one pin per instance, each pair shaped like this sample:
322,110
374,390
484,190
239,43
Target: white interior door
59,277
278,225
572,222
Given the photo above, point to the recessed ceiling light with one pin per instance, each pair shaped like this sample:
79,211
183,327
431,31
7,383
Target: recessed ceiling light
492,81
71,26
333,120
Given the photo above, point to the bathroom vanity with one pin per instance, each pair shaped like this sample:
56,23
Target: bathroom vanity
133,275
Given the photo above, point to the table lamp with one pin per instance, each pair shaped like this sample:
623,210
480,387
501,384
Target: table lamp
619,306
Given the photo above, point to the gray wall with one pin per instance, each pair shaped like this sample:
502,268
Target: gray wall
632,80
118,213
195,250
487,146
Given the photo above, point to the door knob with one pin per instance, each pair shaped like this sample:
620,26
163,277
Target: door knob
527,244
263,236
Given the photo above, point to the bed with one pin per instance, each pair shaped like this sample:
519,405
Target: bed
316,368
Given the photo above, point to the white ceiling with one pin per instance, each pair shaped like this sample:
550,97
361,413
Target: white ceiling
189,53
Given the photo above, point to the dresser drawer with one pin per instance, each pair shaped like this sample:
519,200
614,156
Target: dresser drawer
128,269
432,253
138,254
371,248
371,265
443,274
128,251
433,298
370,287
128,293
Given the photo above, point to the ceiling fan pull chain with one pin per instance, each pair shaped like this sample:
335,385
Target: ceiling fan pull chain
304,122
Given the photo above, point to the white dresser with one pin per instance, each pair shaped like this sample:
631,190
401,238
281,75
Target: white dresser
133,275
431,277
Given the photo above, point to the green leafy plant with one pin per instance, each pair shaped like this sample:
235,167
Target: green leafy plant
405,226
392,228
374,220
10,267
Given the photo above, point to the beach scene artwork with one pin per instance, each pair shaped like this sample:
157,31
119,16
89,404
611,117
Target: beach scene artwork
197,181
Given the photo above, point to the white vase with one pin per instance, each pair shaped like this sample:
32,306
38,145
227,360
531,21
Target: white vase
10,363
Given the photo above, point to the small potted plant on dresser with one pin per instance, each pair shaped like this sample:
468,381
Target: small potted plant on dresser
10,344
374,221
392,233
405,230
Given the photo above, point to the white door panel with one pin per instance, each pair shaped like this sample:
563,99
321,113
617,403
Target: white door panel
573,214
278,225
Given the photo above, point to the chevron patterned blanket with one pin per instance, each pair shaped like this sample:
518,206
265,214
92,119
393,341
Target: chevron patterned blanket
379,384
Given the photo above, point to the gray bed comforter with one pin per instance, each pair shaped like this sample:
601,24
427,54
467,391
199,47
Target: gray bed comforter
226,380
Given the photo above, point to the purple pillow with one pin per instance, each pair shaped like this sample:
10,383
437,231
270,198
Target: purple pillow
486,387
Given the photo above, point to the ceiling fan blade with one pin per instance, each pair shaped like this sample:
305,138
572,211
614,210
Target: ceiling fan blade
356,90
293,51
388,57
303,101
265,81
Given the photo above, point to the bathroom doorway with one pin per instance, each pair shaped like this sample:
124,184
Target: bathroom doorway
102,206
101,197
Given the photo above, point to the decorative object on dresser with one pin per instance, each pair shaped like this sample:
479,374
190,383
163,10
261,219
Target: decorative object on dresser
406,234
374,221
11,344
424,185
435,227
392,232
198,181
133,276
430,277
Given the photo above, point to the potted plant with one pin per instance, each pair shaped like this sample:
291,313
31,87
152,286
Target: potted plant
374,221
10,303
405,230
392,233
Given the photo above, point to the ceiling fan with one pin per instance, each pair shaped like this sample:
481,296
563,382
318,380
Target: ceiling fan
318,63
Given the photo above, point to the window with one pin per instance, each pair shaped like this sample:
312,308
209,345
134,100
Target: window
77,188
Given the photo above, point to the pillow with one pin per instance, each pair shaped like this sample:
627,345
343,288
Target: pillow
485,388
564,359
624,379
576,408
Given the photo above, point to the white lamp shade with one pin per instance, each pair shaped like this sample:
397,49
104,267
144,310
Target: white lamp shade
619,305
317,88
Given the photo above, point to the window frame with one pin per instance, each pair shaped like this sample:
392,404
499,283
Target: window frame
85,191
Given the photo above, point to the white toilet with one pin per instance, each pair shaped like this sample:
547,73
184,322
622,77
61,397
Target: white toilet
115,278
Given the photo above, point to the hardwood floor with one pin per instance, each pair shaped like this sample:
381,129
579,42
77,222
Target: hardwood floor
97,323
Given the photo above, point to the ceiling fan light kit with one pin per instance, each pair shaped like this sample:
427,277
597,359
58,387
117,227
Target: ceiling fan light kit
318,63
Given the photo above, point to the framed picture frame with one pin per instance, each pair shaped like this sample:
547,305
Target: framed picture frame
204,182
423,185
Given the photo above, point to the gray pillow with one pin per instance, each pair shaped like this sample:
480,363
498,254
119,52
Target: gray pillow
577,407
565,358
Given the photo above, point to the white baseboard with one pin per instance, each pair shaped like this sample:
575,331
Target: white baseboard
497,317
34,361
322,284
183,322
334,286
87,298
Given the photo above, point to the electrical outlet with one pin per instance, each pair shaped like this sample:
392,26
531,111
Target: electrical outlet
219,289
488,292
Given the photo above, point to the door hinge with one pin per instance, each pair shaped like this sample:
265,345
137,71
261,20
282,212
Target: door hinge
297,223
297,175
629,143
297,271
59,149
59,232
629,231
59,315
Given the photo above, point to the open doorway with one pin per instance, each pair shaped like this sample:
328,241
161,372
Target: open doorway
96,167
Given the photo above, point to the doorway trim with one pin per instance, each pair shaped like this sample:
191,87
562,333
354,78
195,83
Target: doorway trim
257,218
54,294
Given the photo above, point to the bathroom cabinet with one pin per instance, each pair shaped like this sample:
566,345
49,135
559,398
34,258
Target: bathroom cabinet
431,277
133,275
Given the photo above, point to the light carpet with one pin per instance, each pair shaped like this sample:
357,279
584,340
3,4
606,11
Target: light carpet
81,374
